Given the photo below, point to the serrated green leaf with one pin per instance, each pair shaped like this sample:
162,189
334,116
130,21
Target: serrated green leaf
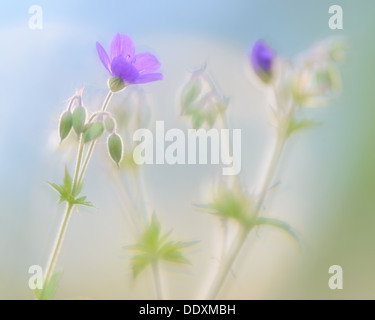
299,125
68,181
49,290
139,263
82,201
55,187
154,247
232,204
281,225
171,252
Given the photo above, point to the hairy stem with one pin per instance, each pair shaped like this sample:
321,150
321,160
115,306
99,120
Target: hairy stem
78,164
78,176
57,247
279,146
92,145
270,173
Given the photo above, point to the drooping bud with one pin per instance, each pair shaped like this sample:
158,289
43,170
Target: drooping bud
115,147
109,124
66,122
116,84
190,93
262,60
79,119
92,131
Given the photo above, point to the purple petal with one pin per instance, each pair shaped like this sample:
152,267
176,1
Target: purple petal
262,57
122,68
103,56
146,63
122,45
149,77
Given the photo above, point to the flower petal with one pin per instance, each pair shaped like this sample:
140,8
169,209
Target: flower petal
146,63
122,45
103,56
122,68
149,77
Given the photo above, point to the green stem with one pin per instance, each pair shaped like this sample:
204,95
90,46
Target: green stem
107,100
57,247
86,162
76,181
228,265
78,164
275,158
92,146
279,146
156,274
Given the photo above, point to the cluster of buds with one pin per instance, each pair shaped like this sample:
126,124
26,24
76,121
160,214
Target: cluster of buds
311,80
89,130
201,101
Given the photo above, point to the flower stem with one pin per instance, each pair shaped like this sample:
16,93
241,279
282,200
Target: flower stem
107,100
92,145
156,276
276,154
78,164
78,176
57,247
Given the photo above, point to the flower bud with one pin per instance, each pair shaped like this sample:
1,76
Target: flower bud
66,122
92,131
115,147
109,124
79,119
116,84
262,60
190,93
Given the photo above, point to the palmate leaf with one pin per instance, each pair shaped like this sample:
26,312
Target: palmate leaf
299,125
67,193
139,263
232,204
281,225
49,290
154,247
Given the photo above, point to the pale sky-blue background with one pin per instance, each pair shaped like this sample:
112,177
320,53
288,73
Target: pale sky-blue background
39,69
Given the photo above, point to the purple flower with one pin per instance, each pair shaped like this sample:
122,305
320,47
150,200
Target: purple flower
123,64
262,58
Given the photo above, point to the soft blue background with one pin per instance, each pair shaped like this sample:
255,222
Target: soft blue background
41,68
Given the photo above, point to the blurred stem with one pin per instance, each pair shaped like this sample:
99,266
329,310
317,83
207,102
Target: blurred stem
218,284
281,140
228,265
275,158
156,276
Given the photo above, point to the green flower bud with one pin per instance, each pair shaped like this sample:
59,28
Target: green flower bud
116,84
190,93
79,119
115,147
66,122
109,124
92,131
